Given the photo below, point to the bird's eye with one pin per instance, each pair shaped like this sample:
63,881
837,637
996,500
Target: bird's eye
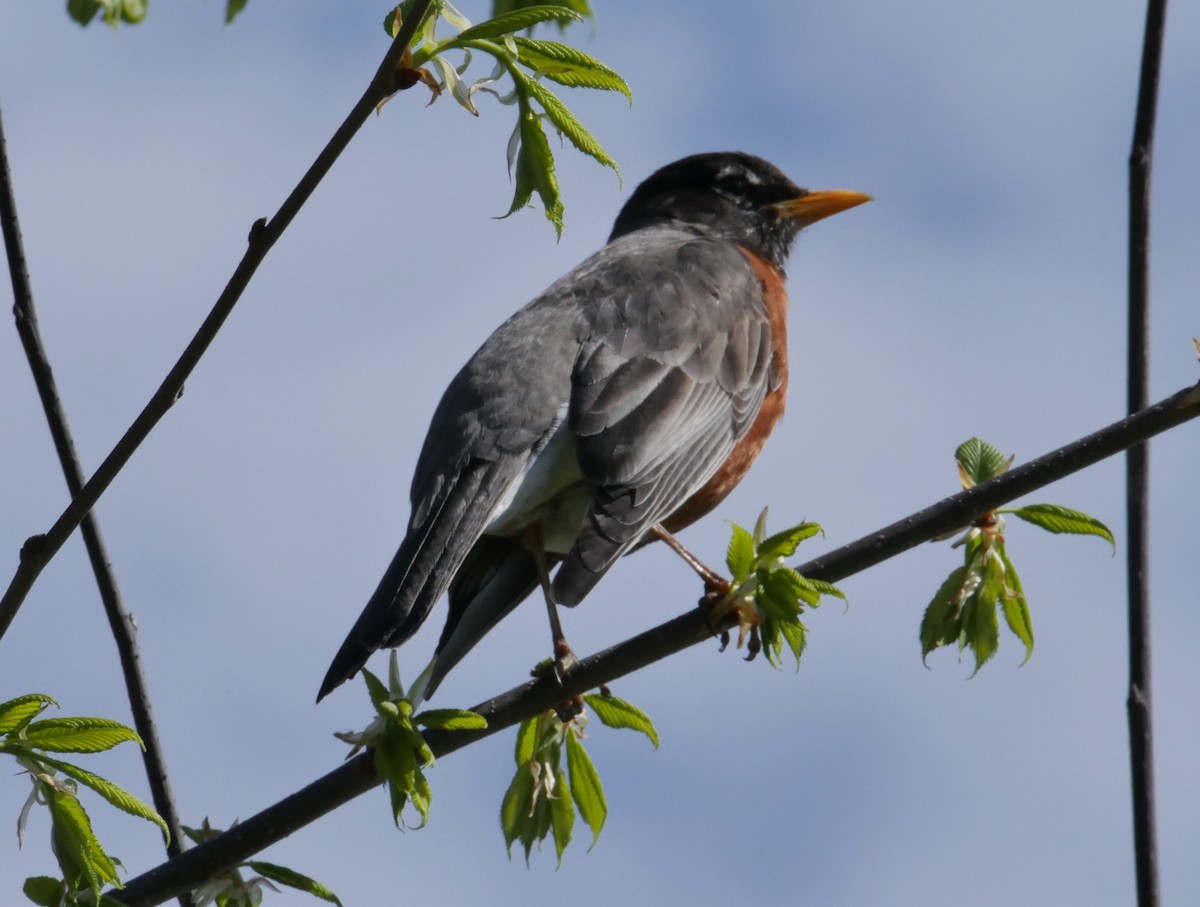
736,184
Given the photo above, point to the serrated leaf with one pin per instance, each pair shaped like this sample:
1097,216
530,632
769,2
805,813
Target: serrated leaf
78,735
586,789
566,123
739,557
80,855
526,740
941,624
518,20
825,588
451,720
562,816
1016,608
44,891
981,626
617,713
375,687
568,66
293,879
783,544
515,808
978,461
113,793
16,713
1054,518
534,168
796,637
777,596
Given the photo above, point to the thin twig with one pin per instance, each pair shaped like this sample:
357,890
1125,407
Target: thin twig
38,550
119,620
691,628
1141,751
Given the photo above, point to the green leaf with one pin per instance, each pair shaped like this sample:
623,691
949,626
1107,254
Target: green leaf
451,720
981,626
740,556
518,20
942,622
585,787
113,793
44,891
784,544
17,713
80,856
978,461
1016,608
535,167
566,123
232,8
293,879
376,688
515,809
78,735
568,66
1054,518
617,713
526,740
562,815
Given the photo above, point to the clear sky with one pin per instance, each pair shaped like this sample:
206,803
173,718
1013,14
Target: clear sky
983,293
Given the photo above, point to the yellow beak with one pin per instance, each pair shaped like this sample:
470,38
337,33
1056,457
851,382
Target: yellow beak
814,206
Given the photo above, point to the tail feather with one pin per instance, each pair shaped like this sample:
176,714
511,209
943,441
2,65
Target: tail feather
419,573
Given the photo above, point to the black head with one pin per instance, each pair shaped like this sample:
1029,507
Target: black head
732,195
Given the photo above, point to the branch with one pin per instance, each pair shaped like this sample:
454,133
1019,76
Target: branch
358,775
39,550
118,619
1141,751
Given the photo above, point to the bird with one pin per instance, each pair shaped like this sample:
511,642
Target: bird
619,406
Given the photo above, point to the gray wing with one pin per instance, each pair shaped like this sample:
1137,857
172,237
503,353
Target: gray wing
671,378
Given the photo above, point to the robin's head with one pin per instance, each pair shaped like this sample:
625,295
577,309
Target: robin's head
732,195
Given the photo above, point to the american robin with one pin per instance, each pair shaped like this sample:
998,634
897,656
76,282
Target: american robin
626,400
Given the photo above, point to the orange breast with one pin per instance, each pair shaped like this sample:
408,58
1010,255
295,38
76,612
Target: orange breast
744,453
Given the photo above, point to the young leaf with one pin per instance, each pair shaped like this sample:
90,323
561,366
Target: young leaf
617,713
585,787
978,461
80,856
293,879
114,794
526,740
565,122
942,622
1054,518
78,735
562,816
784,544
17,713
568,66
740,556
519,20
515,809
1016,609
980,623
535,167
451,720
375,687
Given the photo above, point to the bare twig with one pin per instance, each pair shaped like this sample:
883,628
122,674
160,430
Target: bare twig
122,626
358,775
1136,463
38,550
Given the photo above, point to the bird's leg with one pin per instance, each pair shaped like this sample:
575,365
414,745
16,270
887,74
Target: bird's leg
713,581
564,658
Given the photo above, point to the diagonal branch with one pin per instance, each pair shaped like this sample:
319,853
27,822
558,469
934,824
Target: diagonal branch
118,619
39,549
358,775
1141,751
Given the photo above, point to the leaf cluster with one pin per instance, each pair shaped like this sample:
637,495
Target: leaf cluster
964,611
529,63
114,12
86,866
543,798
769,596
400,752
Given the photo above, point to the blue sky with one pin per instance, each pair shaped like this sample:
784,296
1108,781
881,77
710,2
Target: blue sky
981,294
